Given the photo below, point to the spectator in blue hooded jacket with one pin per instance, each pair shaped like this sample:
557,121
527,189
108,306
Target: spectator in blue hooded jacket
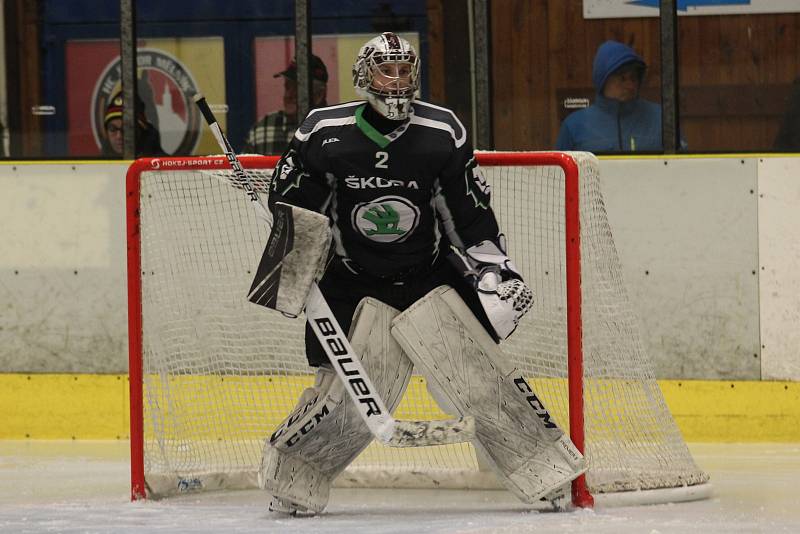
618,120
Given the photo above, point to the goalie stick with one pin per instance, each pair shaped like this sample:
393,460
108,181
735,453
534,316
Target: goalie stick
346,363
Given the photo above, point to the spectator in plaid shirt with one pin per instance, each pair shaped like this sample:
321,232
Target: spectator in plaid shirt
271,134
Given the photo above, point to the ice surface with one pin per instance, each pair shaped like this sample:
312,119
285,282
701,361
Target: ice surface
56,486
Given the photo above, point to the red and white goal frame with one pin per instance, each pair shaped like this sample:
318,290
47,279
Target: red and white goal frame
211,374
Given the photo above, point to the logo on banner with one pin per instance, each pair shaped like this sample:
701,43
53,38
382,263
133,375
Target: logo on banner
165,87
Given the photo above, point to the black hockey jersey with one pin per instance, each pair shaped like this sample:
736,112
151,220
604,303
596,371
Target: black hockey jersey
392,196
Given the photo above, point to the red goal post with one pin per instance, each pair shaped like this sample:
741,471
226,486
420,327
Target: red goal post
572,244
134,247
541,198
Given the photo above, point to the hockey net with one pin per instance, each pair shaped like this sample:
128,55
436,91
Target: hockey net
212,375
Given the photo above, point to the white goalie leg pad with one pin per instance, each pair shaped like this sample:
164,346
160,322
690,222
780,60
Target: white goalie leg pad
514,431
294,257
296,484
325,432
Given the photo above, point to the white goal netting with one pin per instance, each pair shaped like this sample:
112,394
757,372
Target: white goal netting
219,373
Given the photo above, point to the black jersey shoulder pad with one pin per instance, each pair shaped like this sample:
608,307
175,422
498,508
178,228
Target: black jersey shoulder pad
426,114
319,118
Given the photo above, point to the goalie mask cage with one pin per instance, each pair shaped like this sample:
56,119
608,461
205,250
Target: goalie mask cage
212,375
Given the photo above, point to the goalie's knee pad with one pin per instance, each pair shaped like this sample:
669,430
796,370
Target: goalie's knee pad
514,432
325,432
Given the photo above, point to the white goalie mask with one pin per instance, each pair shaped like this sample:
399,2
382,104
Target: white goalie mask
386,74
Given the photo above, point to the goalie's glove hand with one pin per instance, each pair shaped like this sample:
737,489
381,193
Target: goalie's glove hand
503,294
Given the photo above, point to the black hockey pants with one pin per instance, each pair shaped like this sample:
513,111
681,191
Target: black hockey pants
343,290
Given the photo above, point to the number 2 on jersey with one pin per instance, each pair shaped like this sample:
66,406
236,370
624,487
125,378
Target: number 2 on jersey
383,159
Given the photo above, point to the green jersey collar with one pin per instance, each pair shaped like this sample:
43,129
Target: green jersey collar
372,133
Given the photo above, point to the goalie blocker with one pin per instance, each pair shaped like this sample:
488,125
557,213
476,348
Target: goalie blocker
293,259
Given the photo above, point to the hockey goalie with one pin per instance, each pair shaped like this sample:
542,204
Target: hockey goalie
390,213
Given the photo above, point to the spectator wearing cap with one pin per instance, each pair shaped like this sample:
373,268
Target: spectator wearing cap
271,134
618,120
148,139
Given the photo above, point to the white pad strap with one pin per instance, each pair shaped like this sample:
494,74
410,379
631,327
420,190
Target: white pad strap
293,259
522,443
325,432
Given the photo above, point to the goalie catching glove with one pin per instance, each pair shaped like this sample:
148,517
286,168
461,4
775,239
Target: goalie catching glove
503,294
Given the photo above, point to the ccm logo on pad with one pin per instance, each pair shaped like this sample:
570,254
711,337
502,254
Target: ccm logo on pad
534,402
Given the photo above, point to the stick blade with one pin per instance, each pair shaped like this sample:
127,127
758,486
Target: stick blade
428,433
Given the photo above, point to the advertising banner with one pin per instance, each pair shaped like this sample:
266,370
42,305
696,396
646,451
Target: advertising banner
607,9
170,72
